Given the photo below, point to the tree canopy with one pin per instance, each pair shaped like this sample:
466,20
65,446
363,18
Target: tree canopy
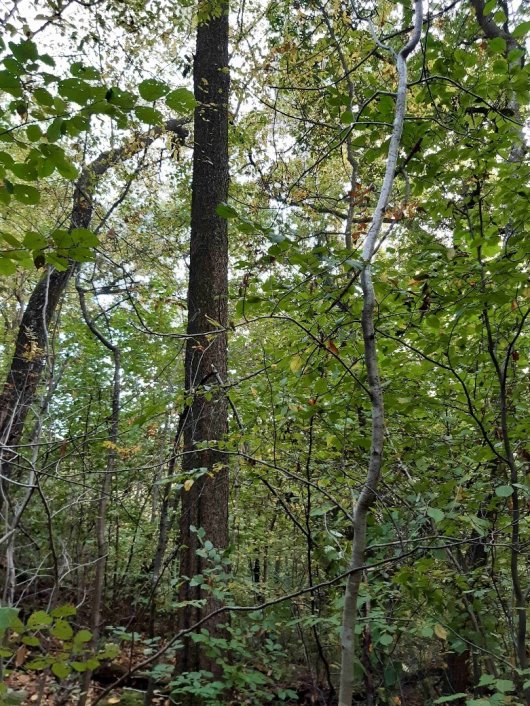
264,288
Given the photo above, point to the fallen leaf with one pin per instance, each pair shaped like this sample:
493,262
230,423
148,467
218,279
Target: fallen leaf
440,631
21,655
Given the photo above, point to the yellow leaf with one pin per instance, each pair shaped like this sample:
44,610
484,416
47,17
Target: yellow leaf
187,484
440,631
296,363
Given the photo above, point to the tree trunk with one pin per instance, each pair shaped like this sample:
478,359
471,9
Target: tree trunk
104,493
205,504
368,493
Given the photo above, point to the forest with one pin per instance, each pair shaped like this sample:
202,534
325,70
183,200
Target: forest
264,352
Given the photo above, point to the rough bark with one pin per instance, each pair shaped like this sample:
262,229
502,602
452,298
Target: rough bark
205,504
368,493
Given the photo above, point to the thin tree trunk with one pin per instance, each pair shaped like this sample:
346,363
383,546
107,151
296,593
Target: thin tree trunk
101,518
368,493
492,31
205,504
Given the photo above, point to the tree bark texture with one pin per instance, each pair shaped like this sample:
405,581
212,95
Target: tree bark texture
205,504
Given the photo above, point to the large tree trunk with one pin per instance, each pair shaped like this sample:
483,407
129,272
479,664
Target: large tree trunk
205,504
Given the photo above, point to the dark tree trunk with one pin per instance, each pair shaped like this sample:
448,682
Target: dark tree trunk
31,348
205,504
29,358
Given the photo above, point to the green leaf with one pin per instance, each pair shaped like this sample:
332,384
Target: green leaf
7,615
11,240
489,7
46,168
67,169
62,238
151,89
503,491
28,195
5,196
225,211
86,237
34,133
14,66
6,158
47,59
79,666
39,619
498,45
60,263
296,363
24,51
43,97
436,514
521,30
61,669
149,116
448,699
88,73
25,171
181,100
79,91
31,641
34,241
82,636
123,99
386,639
64,611
62,630
54,131
60,161
37,664
77,125
7,267
504,685
10,84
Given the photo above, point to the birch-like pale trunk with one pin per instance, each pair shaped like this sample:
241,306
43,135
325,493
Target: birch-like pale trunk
368,493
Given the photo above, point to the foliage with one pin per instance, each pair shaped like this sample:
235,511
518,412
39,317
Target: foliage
47,643
313,100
